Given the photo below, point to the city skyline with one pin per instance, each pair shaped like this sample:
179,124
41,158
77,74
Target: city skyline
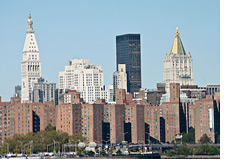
50,38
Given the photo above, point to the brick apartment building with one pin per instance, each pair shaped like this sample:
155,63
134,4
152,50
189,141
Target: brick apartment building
7,120
114,117
68,118
152,123
78,118
207,118
50,113
29,117
132,121
172,116
21,118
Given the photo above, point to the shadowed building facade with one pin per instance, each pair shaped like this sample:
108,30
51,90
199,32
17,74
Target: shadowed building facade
114,115
134,123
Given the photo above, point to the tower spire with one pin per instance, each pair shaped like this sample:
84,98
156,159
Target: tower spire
30,23
177,47
177,31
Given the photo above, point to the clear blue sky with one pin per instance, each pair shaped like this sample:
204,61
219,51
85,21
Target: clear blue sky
87,29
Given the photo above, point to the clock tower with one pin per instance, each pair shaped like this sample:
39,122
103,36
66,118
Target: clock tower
30,65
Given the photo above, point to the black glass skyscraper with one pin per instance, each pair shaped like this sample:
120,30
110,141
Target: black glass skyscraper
128,49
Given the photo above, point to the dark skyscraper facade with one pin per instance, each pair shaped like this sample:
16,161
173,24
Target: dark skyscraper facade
128,49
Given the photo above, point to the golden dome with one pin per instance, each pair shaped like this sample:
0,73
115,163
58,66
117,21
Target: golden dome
30,20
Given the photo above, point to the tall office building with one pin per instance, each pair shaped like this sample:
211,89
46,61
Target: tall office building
128,51
43,91
119,79
110,93
85,78
178,64
17,91
30,65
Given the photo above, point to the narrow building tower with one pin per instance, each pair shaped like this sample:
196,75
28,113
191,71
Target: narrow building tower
30,65
120,79
178,64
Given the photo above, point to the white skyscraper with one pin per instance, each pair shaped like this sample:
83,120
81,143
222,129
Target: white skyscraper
177,67
178,64
120,79
85,78
30,65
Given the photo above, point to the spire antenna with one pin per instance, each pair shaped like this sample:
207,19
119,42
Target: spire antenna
177,31
30,23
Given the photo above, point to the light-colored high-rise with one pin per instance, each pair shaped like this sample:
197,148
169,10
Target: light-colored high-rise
43,91
178,64
120,79
84,78
30,65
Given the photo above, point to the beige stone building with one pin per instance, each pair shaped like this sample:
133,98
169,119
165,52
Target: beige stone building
178,65
120,78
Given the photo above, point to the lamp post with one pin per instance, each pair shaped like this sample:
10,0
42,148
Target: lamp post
62,147
74,144
48,146
31,144
58,146
54,144
21,144
77,144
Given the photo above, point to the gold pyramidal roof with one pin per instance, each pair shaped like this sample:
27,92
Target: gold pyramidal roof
177,47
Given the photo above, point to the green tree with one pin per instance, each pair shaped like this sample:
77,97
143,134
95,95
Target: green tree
212,150
205,139
119,152
76,139
185,150
102,152
28,151
49,127
171,153
80,150
90,153
3,149
16,150
41,139
190,136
